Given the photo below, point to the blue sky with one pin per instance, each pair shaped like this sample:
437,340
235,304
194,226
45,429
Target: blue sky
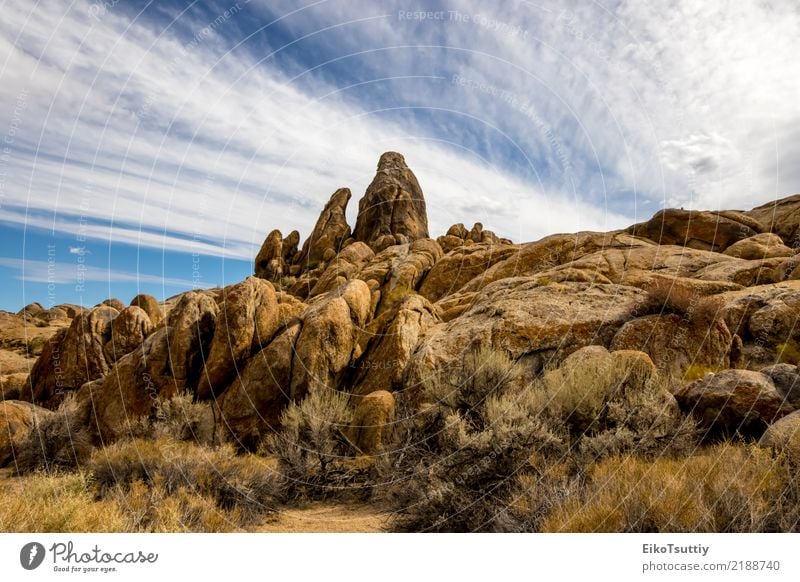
150,147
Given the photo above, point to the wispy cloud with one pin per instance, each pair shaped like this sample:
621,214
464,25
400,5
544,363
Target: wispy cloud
203,134
60,273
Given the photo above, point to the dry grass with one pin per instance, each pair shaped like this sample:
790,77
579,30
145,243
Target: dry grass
728,488
669,296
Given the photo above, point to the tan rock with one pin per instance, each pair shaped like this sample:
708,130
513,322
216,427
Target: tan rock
781,217
115,303
150,306
784,436
393,205
248,319
702,230
13,385
461,265
252,406
372,422
345,267
761,246
191,325
329,233
128,330
73,357
733,402
675,342
326,343
389,341
269,263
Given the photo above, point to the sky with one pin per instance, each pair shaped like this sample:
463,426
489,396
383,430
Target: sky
151,146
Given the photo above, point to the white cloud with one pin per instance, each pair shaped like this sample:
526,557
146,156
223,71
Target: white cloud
60,273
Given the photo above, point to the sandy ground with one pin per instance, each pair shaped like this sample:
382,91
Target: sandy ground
322,518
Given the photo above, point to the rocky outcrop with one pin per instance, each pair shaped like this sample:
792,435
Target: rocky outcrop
392,210
327,343
150,306
781,217
251,407
17,420
128,330
248,319
786,378
784,437
733,402
347,265
115,303
372,420
675,343
329,234
387,344
702,230
72,357
761,246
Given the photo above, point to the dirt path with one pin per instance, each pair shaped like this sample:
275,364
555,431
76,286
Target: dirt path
328,518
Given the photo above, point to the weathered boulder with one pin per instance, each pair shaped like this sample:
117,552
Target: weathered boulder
676,342
461,265
393,205
743,272
703,230
784,436
540,323
269,263
17,419
329,233
150,306
248,319
786,378
128,330
781,217
372,420
328,340
72,357
191,325
766,245
13,385
733,402
115,303
388,342
251,407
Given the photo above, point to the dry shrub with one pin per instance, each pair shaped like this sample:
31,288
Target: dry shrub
58,441
178,417
670,296
729,488
56,503
247,485
311,447
612,403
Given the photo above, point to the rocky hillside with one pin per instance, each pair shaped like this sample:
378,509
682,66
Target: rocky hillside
708,302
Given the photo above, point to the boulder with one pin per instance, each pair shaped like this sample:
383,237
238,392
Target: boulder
784,436
248,319
115,303
328,339
461,265
675,342
251,407
781,217
392,206
702,230
733,402
17,419
346,266
269,263
388,343
191,325
73,356
150,306
538,323
786,378
128,330
372,420
329,233
766,245
13,385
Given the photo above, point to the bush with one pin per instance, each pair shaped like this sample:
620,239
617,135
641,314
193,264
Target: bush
671,296
311,447
247,485
58,441
180,418
728,488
